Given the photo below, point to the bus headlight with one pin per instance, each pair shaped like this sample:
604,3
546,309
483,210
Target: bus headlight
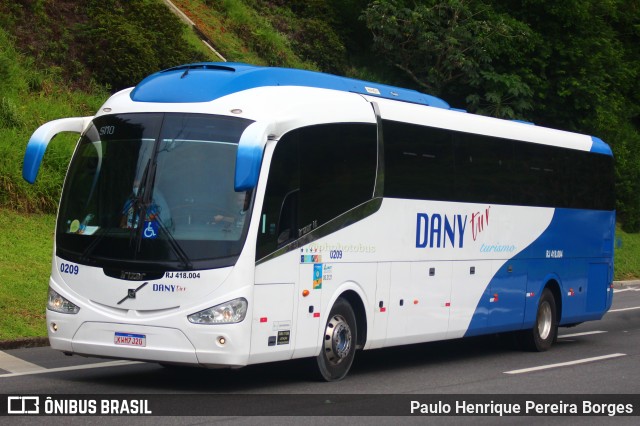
58,303
229,312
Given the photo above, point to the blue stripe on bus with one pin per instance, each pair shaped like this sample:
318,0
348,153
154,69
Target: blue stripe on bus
33,157
204,82
587,258
600,147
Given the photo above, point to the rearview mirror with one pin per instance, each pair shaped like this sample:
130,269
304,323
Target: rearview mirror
40,139
249,157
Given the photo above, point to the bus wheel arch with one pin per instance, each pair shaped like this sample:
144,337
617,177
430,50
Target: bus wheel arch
338,346
355,301
554,286
545,328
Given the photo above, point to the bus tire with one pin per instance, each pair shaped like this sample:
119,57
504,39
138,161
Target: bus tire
545,330
338,342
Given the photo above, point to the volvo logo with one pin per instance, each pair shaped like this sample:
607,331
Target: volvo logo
131,293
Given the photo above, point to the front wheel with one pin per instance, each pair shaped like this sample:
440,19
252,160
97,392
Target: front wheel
545,330
339,342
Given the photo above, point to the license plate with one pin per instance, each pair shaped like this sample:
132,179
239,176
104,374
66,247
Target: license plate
130,339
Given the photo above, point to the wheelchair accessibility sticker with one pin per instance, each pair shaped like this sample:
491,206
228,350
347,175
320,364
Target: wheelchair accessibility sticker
150,230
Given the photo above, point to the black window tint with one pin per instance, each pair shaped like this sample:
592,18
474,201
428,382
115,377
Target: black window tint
482,168
337,170
592,180
435,164
317,173
418,162
536,173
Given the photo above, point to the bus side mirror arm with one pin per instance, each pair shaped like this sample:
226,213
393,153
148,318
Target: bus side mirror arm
40,139
249,156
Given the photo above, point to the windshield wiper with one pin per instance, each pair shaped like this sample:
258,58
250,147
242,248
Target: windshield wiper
103,232
177,249
141,201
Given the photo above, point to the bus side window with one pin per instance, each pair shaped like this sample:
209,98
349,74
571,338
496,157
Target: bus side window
288,220
317,173
280,208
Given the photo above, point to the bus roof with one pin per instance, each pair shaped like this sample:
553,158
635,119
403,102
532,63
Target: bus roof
206,81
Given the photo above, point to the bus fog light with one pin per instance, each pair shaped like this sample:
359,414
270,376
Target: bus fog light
222,340
54,327
58,303
230,312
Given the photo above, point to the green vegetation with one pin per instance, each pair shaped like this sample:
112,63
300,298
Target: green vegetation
133,40
626,259
242,34
26,244
28,98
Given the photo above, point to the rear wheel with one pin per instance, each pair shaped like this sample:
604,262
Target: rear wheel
545,330
338,343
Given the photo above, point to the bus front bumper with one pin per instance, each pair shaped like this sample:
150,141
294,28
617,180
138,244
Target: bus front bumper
206,348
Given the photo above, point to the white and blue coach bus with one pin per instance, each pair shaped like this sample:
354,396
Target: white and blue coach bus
222,214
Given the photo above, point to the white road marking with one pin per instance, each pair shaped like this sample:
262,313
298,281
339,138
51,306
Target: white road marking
41,370
13,364
633,308
564,364
586,333
624,309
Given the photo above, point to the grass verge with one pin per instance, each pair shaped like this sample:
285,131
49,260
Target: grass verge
26,244
627,256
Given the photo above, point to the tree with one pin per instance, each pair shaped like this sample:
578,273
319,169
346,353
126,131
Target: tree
587,73
460,49
124,41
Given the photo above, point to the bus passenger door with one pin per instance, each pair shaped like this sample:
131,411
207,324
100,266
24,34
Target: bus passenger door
309,307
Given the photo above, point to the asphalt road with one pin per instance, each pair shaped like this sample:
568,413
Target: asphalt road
598,357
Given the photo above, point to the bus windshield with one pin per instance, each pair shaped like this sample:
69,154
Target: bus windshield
154,191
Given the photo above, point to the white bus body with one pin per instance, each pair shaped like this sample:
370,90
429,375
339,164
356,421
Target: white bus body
340,242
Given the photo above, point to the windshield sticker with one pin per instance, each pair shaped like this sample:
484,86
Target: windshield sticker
150,230
75,226
317,276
